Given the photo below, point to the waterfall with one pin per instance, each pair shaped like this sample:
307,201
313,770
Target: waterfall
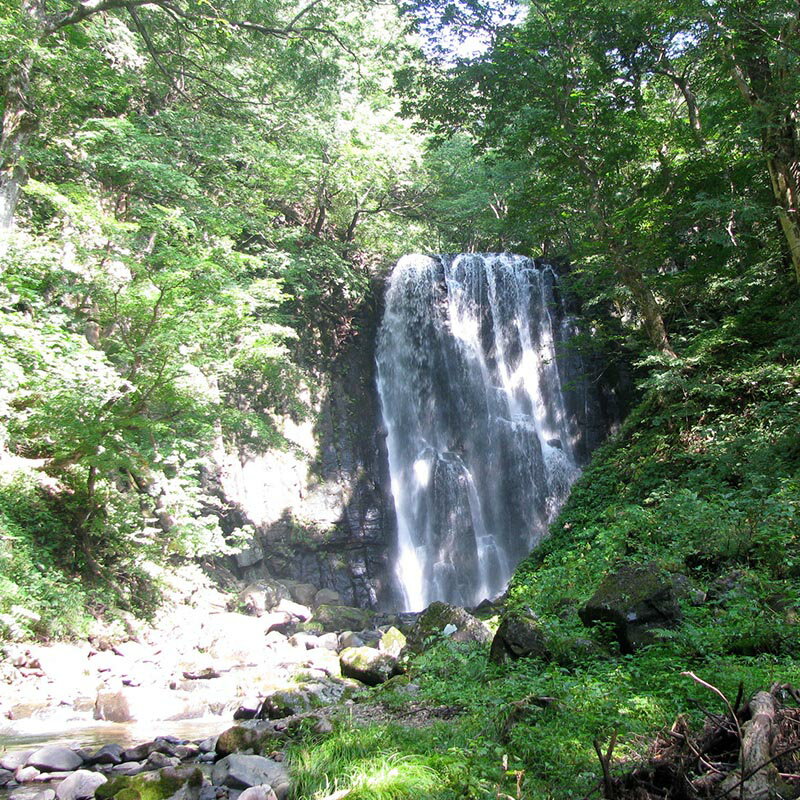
481,448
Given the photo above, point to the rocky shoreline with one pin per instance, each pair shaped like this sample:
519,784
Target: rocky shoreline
272,667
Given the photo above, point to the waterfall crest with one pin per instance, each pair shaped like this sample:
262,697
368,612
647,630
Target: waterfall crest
481,447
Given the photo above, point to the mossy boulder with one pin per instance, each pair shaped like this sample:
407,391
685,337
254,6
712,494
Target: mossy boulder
392,642
257,735
152,785
635,600
343,618
287,702
368,665
309,627
519,635
443,619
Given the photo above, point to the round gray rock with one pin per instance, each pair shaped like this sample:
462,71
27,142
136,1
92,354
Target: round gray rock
263,792
238,771
81,785
54,758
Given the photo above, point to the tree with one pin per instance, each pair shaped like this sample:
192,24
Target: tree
759,46
181,38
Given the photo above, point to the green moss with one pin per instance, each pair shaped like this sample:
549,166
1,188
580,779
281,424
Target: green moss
150,785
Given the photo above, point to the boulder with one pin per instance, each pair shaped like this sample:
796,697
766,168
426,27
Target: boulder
340,618
257,735
327,597
635,600
392,642
262,792
349,639
81,785
238,771
368,665
519,636
54,758
108,754
153,785
445,620
285,703
299,613
304,593
11,761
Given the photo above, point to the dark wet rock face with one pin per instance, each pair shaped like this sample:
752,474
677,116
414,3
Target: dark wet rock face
328,518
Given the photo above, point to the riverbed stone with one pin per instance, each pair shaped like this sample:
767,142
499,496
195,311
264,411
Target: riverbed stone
108,754
151,785
54,758
80,785
51,777
262,792
257,735
238,771
368,665
157,760
128,768
26,774
338,618
11,761
138,752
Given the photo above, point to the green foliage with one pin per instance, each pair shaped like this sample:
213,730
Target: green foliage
36,596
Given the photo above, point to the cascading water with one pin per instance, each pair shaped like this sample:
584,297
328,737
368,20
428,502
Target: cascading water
481,448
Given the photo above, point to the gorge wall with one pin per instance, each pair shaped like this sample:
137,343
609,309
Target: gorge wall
323,510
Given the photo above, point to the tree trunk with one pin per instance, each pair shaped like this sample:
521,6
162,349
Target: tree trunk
783,161
647,305
757,777
17,127
18,124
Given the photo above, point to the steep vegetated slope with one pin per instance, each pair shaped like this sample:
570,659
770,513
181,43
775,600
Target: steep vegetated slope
702,486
